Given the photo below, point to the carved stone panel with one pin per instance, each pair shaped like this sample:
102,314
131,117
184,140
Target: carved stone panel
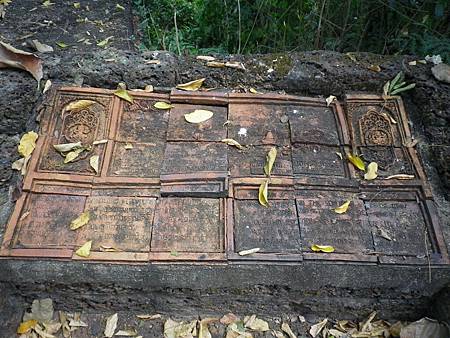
390,160
259,124
313,125
142,122
188,225
45,220
403,222
347,233
137,159
251,161
123,223
273,230
213,129
312,159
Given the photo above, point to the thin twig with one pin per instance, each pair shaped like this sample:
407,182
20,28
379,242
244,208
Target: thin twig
239,36
176,31
428,255
319,26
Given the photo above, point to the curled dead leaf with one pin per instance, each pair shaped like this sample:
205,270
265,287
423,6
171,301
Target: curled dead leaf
80,221
317,328
356,161
263,192
400,177
205,58
27,144
41,47
162,105
191,85
84,250
330,99
73,155
342,208
47,86
235,65
322,248
248,252
149,317
270,160
198,116
371,173
11,57
234,143
66,147
215,64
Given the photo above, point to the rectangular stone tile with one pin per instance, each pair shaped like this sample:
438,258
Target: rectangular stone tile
123,223
348,233
251,161
318,160
137,159
45,219
273,230
213,129
316,125
143,123
188,225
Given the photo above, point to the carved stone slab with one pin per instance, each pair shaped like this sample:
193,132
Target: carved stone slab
169,190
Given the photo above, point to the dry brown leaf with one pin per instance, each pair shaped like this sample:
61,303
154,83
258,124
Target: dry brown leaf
215,64
84,250
94,162
191,85
80,221
11,57
41,47
198,116
205,58
27,144
322,248
229,318
248,252
263,193
317,328
286,328
111,325
234,143
372,171
342,208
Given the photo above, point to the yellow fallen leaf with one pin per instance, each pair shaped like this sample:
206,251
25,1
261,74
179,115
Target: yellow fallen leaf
61,44
128,146
400,177
93,161
124,95
162,105
65,147
215,64
286,328
79,105
80,221
232,142
25,327
270,160
120,7
104,42
248,252
356,161
27,144
73,155
322,248
371,172
342,208
198,116
84,250
253,91
330,99
262,195
148,88
192,85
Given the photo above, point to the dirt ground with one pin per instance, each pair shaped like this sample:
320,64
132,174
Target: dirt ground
83,63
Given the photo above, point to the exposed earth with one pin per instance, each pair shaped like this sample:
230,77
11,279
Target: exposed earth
316,291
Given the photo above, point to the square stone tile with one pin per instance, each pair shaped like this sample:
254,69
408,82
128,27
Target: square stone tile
273,230
317,160
188,225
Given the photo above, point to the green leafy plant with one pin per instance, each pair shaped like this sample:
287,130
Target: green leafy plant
397,85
